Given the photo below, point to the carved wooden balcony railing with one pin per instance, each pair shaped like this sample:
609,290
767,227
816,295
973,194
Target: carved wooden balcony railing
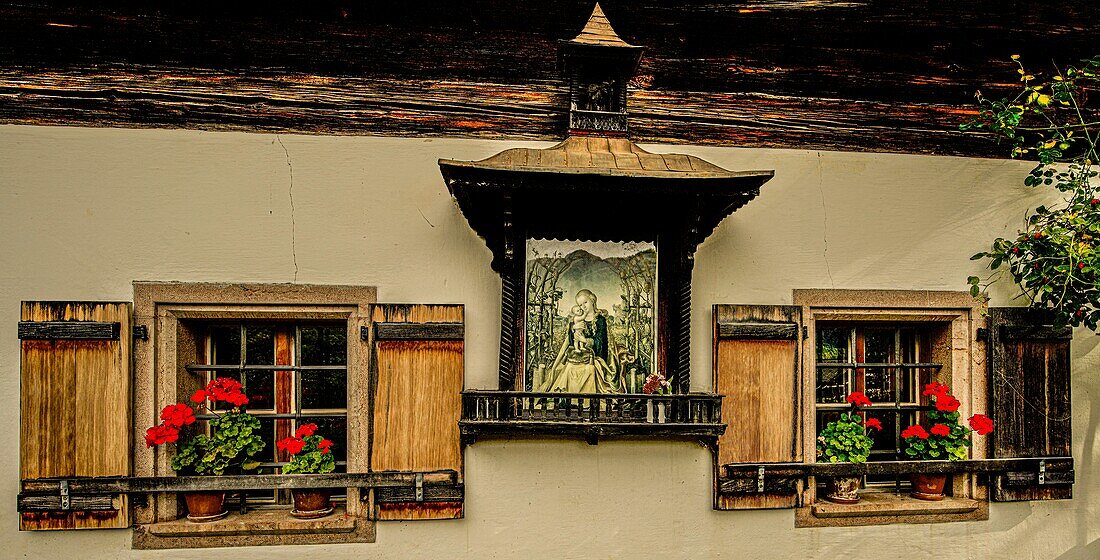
487,413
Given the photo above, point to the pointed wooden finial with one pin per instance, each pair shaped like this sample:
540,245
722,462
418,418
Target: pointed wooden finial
598,31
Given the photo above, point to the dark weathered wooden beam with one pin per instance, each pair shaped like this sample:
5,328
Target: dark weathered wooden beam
68,330
761,331
419,331
842,76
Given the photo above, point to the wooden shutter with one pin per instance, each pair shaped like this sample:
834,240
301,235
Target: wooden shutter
1029,377
756,369
417,383
74,406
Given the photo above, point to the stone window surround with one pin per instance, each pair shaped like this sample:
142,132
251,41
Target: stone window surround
165,309
958,316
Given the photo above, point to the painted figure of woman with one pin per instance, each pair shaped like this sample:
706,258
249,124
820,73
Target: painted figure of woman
586,362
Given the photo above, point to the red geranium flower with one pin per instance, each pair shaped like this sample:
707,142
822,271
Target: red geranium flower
177,415
981,424
306,430
225,389
858,399
324,446
941,430
161,434
873,423
947,403
199,396
937,389
292,445
914,431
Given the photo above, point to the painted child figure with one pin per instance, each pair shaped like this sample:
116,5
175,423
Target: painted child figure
580,342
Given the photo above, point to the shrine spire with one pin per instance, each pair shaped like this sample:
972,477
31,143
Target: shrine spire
598,31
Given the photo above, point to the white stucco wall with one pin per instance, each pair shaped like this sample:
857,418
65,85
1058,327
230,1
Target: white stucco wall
83,212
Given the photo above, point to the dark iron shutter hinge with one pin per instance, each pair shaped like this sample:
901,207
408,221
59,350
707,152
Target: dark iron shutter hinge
805,332
65,495
420,487
760,479
364,334
1042,472
141,332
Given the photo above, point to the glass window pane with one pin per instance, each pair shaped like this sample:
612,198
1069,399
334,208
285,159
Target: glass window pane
832,347
832,344
260,349
832,385
260,390
324,345
225,345
324,389
878,346
879,349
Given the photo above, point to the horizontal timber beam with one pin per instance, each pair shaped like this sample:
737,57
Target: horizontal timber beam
893,77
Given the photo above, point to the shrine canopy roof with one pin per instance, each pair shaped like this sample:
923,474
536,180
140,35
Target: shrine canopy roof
595,188
604,156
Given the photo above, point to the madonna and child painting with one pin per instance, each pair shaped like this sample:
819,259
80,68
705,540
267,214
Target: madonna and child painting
591,316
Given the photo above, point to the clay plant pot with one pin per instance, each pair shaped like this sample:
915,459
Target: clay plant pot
843,489
311,503
205,506
928,486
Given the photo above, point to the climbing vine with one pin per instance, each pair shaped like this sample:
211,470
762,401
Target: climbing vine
1053,258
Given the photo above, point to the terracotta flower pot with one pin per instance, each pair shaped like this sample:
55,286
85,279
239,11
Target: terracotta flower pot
205,506
311,503
928,486
843,489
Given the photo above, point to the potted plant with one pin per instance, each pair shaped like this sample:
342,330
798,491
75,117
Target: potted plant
945,439
847,440
656,384
233,441
309,454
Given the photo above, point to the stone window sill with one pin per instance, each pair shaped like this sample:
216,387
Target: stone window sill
255,528
883,508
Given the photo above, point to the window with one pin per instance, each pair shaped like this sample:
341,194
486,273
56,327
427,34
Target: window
293,374
889,344
294,348
885,363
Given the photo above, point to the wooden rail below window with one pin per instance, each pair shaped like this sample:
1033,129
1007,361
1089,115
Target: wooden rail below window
783,477
94,493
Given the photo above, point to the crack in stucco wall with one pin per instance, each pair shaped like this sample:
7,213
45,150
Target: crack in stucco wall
290,193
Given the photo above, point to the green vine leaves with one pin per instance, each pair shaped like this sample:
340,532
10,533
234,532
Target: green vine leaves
1053,258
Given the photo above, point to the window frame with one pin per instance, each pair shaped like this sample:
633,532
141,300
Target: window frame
171,313
283,426
964,368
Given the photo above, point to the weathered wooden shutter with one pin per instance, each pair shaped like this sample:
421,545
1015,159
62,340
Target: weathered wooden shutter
1029,364
756,369
417,401
74,408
